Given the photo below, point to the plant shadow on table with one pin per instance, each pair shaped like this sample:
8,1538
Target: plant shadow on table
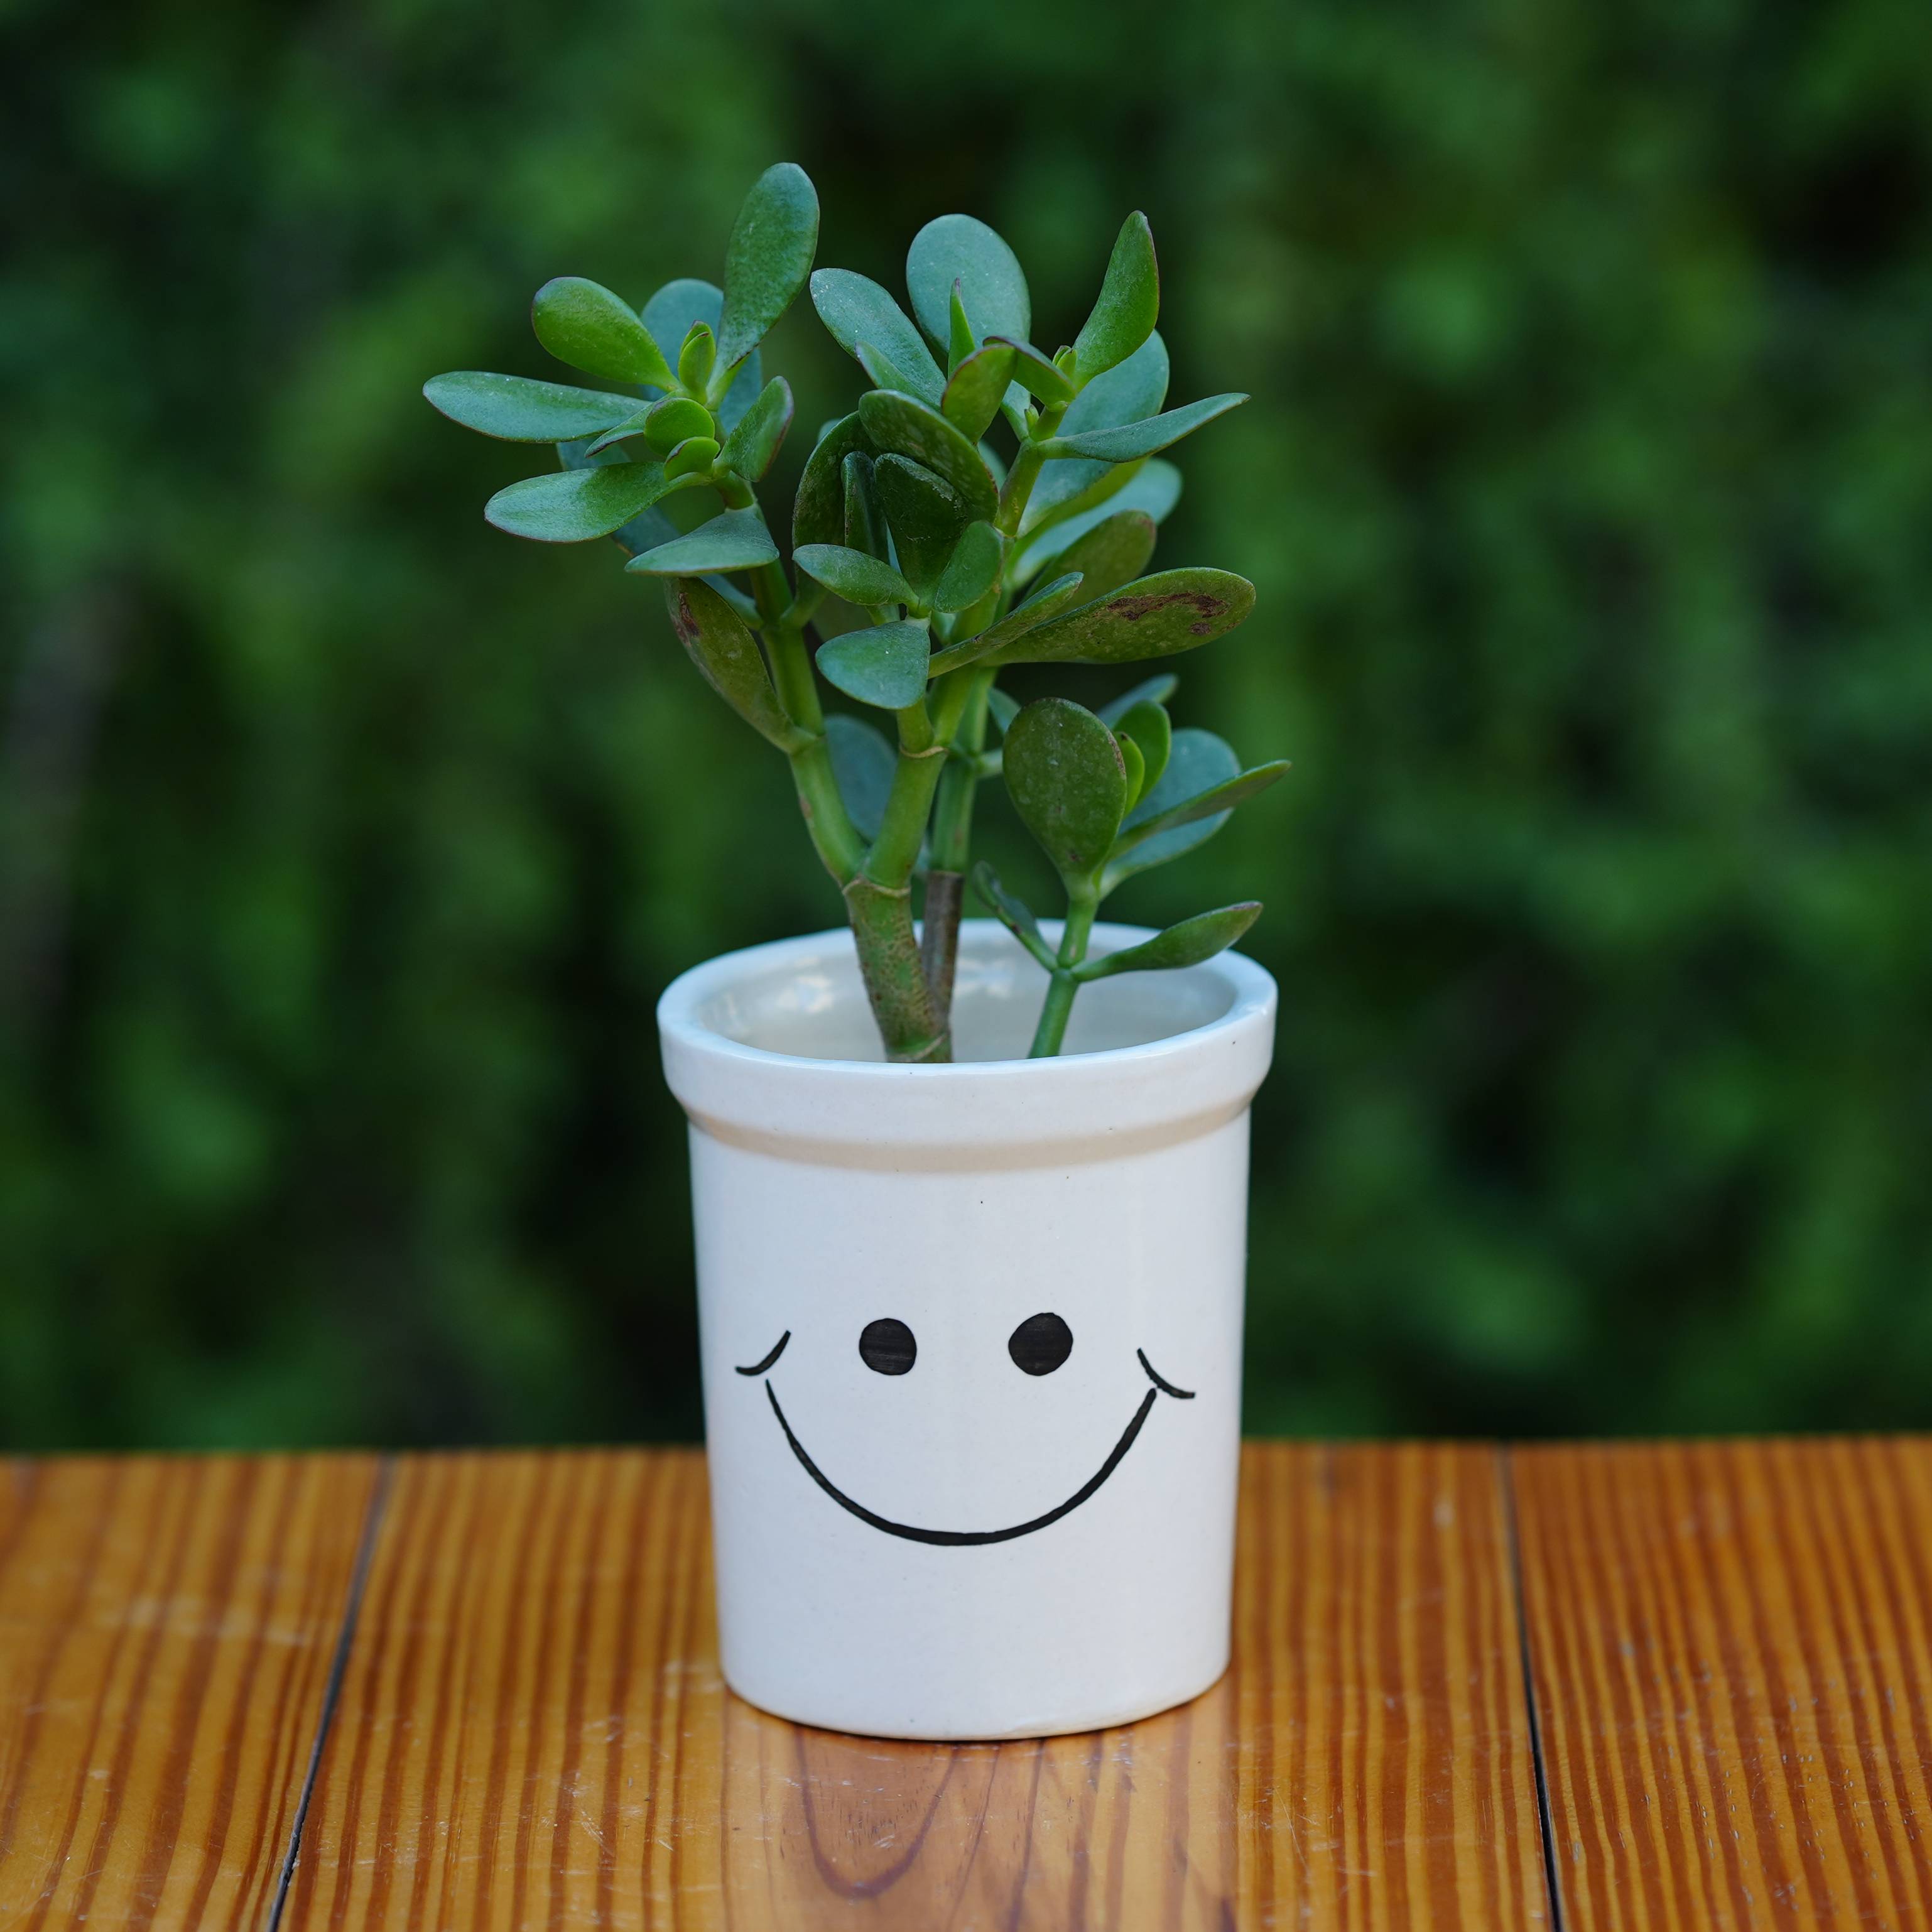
346,845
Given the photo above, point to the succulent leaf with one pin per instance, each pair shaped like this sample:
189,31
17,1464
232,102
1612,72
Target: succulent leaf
976,389
1189,804
734,540
694,457
1130,391
1013,912
972,569
925,516
752,446
1148,726
864,763
574,506
1187,944
1135,760
1128,306
818,510
697,357
992,286
960,340
514,408
720,644
1220,798
674,420
597,445
1047,602
1128,441
1152,487
768,258
1036,372
1068,783
650,526
856,310
1154,617
669,315
907,427
864,527
1155,690
852,575
584,324
1114,552
881,664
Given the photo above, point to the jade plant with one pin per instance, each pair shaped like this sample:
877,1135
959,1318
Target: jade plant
925,559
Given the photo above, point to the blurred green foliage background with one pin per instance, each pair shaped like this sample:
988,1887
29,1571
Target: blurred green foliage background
347,843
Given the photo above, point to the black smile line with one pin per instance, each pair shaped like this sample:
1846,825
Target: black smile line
955,1538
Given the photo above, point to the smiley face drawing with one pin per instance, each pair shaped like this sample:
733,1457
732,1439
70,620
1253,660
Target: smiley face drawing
1039,1345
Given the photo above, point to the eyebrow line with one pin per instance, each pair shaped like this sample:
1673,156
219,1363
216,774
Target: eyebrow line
1160,1381
759,1368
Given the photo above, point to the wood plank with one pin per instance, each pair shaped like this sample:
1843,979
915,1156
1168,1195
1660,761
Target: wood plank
167,1627
533,1732
1734,1681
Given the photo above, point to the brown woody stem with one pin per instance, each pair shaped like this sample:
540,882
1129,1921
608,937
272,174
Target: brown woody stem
895,974
939,937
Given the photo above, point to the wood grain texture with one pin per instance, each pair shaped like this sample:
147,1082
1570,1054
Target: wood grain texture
166,1630
533,1732
1387,1776
1729,1648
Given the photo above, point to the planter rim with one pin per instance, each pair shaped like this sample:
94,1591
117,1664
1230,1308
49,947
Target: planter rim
979,1113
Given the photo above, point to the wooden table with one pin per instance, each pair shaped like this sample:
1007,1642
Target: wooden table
1681,1686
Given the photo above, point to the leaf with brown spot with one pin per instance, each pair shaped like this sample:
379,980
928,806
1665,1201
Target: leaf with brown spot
720,644
1154,617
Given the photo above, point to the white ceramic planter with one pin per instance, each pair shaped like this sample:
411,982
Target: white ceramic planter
971,1336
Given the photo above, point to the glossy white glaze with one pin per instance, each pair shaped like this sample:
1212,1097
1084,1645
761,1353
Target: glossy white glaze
1107,1186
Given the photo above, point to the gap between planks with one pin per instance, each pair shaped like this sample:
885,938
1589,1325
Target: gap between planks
1553,1889
373,1513
1733,1642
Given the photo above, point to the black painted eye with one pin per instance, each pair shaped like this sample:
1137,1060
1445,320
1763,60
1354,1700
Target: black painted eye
887,1346
1040,1344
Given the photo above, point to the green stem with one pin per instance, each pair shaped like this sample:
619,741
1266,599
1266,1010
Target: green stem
1058,1006
1020,480
791,676
914,1023
952,815
876,884
952,842
878,901
902,828
1025,472
834,838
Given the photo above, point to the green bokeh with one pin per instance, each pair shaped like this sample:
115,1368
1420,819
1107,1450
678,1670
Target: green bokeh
1587,484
